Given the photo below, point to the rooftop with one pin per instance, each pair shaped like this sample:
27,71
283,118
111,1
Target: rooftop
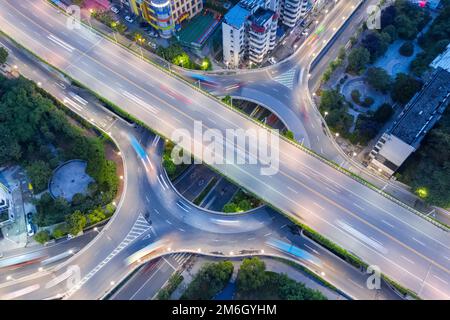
424,109
261,16
442,60
237,16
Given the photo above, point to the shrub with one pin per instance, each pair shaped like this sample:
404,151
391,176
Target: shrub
42,237
407,49
356,96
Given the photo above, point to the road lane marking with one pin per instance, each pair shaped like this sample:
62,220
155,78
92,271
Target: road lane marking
440,279
293,190
358,206
409,260
419,242
376,228
313,250
319,206
387,223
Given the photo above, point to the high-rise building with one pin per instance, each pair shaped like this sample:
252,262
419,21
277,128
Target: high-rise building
291,11
166,16
262,34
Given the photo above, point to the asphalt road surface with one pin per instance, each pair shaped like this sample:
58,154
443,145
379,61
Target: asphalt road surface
404,246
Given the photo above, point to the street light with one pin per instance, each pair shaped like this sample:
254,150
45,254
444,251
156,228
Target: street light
337,134
325,113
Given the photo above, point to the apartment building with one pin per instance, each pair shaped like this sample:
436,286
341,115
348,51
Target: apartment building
249,28
6,208
166,16
248,32
262,34
291,11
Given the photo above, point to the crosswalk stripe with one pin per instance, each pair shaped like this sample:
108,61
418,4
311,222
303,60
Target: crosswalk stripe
287,78
128,239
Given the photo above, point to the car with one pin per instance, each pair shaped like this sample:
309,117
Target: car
129,19
153,34
61,85
115,10
152,45
272,60
30,230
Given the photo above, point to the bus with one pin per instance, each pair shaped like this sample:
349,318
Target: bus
21,261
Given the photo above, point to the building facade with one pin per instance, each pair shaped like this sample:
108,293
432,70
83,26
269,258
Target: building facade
249,29
414,122
291,11
262,34
166,16
6,207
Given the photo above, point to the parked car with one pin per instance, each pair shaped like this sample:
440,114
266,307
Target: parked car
115,10
129,19
152,45
272,60
30,230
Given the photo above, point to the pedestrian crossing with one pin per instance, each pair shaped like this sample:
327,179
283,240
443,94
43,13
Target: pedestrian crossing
139,227
180,258
287,78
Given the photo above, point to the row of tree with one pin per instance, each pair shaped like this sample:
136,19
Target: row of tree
434,41
402,20
255,283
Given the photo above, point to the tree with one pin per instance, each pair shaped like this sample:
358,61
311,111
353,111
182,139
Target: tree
76,222
50,211
404,88
378,79
388,15
383,113
405,27
59,232
39,173
96,215
289,134
210,280
244,205
252,275
42,237
392,32
3,55
376,43
333,104
230,207
406,49
357,60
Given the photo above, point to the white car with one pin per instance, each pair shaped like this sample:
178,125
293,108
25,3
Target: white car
115,10
30,230
129,19
272,60
152,45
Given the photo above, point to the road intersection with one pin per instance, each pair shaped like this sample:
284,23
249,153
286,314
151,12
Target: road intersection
406,247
